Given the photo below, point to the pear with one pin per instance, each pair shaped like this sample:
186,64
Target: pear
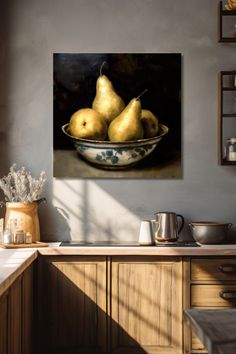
107,102
86,123
127,126
150,123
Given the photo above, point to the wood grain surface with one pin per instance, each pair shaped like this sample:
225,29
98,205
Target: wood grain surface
213,269
210,295
146,305
72,304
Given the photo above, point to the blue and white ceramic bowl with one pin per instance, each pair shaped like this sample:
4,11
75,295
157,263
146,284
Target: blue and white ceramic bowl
118,155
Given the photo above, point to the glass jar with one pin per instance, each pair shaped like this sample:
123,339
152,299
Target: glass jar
231,149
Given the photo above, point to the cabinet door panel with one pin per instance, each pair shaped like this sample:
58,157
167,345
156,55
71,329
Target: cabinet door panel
213,269
75,304
210,295
3,323
27,310
15,317
146,306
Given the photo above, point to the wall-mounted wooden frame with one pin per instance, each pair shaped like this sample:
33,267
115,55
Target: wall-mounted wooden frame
222,115
222,16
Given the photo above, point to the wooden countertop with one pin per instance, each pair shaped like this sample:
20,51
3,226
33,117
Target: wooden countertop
12,264
216,250
14,261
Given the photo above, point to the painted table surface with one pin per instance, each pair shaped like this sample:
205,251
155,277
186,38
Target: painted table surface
215,328
68,163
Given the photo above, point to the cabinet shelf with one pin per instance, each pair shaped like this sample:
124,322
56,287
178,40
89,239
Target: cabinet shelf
225,162
229,115
227,40
229,88
228,72
222,13
227,12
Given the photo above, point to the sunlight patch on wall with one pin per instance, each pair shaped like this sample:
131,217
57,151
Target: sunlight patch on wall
92,213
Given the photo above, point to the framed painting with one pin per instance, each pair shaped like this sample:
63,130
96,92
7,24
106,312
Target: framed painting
117,115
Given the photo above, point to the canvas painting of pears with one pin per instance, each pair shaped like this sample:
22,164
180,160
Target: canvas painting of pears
117,115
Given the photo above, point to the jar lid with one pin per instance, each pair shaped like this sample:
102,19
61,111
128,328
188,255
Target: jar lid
231,140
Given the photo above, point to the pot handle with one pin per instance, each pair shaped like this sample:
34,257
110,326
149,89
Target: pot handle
182,223
155,225
191,226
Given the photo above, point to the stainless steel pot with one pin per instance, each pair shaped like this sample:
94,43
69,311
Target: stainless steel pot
209,232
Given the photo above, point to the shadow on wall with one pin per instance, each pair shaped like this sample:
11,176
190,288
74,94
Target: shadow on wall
81,211
74,315
146,202
54,223
84,210
95,211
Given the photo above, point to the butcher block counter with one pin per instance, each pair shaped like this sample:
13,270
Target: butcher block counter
14,262
111,299
214,250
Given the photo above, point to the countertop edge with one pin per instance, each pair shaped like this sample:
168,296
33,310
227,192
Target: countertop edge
17,270
139,251
20,260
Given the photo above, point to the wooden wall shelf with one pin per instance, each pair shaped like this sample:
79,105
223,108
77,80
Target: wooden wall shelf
221,14
222,88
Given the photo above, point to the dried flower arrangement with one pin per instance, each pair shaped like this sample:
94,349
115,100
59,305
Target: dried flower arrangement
20,186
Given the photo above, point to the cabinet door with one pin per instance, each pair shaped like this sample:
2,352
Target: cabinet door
73,309
27,310
16,311
15,317
146,305
3,323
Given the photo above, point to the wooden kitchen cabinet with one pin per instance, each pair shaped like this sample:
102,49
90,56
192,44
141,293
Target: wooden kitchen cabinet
146,305
15,318
3,323
211,284
27,306
16,314
72,305
110,305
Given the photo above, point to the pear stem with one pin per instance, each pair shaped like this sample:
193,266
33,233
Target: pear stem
101,67
137,98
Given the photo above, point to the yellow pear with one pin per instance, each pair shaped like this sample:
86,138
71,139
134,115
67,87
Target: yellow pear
127,126
107,102
150,123
86,123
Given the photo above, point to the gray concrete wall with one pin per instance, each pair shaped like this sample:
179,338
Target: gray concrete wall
32,30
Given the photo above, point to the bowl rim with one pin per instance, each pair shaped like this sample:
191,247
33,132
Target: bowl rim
153,140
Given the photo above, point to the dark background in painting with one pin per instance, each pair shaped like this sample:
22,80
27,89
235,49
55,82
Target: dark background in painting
75,78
